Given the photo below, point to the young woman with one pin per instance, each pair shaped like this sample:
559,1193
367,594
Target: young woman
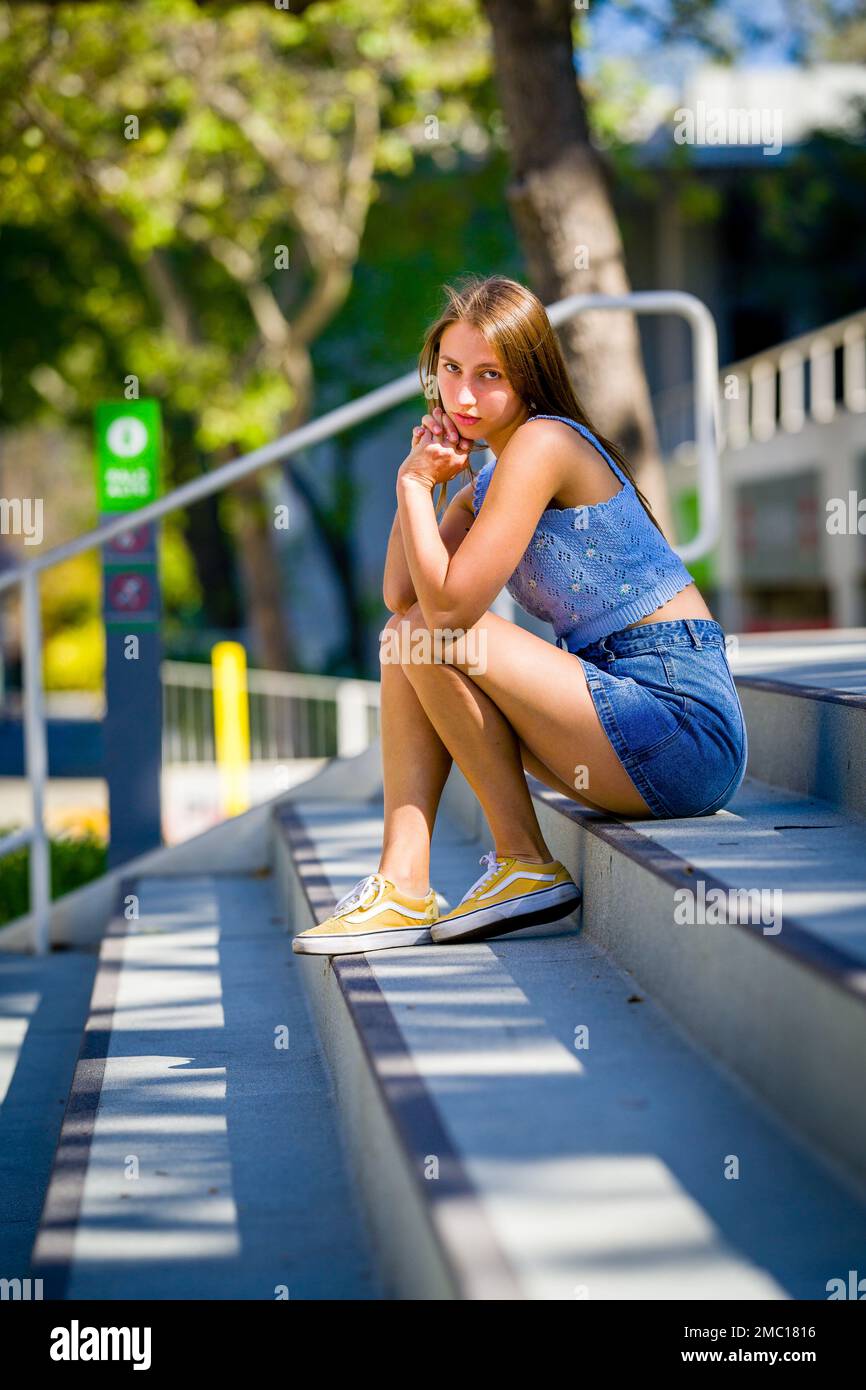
633,711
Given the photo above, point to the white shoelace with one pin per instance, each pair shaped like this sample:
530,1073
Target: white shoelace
366,893
493,865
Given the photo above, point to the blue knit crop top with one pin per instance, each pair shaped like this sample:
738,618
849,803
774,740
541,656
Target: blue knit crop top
592,570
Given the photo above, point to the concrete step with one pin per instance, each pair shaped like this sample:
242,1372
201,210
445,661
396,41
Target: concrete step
199,1155
804,700
748,927
527,1119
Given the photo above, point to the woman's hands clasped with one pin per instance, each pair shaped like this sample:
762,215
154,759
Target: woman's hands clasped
439,452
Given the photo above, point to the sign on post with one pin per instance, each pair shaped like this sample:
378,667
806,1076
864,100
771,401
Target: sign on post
128,440
128,450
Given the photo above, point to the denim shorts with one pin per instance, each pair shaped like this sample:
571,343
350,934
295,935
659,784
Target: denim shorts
666,699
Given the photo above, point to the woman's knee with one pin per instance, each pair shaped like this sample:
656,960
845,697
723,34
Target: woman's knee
396,644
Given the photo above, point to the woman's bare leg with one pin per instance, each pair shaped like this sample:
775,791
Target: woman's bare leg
415,768
488,752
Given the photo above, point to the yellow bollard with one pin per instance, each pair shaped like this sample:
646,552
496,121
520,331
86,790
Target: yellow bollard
231,713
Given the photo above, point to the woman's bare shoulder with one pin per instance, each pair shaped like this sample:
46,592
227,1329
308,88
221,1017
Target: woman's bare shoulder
585,478
558,434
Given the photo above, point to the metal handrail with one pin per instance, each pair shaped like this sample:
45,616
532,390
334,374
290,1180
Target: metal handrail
315,432
705,351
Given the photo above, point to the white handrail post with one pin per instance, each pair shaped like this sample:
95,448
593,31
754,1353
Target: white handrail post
705,348
739,410
763,400
36,759
822,394
351,718
792,391
854,367
706,392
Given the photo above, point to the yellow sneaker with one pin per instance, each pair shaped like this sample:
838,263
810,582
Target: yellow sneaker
510,894
372,916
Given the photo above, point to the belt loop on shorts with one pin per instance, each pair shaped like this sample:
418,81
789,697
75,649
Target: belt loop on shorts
693,633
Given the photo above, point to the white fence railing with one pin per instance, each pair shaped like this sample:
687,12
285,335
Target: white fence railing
777,390
290,715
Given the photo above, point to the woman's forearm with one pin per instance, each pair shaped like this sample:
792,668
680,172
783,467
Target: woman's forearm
427,555
397,587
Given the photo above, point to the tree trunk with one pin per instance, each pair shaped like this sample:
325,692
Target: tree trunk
211,552
214,564
560,202
253,531
334,526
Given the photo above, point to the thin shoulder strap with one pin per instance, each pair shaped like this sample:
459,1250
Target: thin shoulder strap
588,434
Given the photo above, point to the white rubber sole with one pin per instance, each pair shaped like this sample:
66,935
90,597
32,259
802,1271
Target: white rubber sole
529,910
341,945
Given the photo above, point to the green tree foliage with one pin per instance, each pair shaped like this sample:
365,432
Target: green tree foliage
211,144
183,197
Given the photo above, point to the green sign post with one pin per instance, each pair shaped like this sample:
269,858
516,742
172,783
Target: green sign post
128,447
128,450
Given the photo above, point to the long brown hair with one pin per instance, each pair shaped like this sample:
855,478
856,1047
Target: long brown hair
515,324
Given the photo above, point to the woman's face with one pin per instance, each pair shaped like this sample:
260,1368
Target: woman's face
474,388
